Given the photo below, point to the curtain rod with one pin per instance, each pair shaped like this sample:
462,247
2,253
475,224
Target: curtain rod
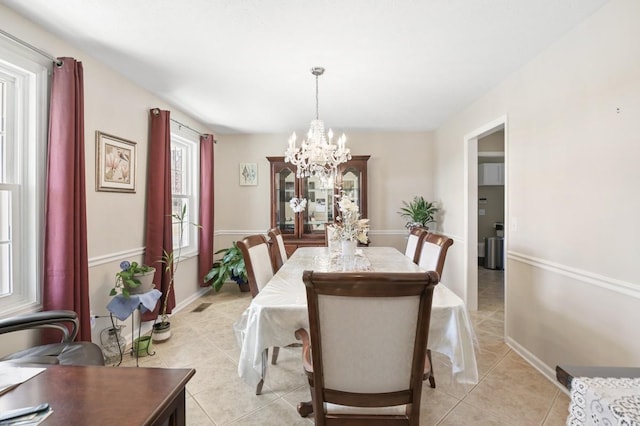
15,39
190,128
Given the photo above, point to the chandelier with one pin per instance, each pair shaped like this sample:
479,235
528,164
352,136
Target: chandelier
317,155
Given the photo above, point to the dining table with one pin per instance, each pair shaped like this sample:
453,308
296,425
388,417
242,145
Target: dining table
281,308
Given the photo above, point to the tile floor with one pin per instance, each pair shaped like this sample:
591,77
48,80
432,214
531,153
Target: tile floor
509,392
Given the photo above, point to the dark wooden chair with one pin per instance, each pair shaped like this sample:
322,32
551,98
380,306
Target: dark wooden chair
67,352
414,243
278,250
352,316
431,257
257,259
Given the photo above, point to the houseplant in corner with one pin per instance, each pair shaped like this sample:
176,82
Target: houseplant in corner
171,260
229,267
419,212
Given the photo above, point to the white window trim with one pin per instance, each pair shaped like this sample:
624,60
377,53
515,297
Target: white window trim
189,139
29,126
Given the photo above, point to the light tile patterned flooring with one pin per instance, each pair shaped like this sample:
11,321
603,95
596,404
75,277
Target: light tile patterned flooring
510,391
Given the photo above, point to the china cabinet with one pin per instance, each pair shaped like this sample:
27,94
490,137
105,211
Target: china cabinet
307,227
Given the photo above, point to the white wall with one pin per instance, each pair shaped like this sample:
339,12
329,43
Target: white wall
400,167
573,287
115,221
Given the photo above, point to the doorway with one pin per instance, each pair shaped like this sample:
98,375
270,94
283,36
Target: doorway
491,232
472,209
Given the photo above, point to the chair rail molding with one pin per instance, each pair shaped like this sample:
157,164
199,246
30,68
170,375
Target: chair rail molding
115,257
582,275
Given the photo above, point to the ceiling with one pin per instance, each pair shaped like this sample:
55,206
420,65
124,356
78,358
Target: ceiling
243,66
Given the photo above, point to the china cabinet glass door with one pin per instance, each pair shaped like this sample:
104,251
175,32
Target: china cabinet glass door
320,205
285,189
352,180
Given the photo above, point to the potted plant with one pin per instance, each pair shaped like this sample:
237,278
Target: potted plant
419,211
229,267
171,260
142,346
133,278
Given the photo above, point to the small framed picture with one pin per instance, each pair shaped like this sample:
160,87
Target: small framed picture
248,174
115,164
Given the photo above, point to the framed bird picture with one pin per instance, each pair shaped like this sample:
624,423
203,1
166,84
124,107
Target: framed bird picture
248,174
115,164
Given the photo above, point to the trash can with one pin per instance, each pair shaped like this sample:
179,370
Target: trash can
493,252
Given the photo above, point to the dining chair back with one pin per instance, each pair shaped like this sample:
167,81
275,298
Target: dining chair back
433,252
278,250
257,260
414,243
364,353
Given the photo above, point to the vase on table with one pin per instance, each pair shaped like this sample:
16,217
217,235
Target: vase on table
348,247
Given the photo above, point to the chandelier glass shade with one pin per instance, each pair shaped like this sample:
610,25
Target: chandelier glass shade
318,154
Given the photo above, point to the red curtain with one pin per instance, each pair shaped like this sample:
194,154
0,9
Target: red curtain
66,265
205,253
158,224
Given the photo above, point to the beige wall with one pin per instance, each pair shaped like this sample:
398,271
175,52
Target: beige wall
572,286
401,166
115,221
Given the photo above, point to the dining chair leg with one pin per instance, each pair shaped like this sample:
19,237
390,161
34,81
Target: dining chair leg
263,372
274,356
305,408
429,374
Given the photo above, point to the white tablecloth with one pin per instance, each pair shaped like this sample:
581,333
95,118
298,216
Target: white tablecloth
604,401
281,308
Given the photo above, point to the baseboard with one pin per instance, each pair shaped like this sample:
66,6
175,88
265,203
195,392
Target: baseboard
535,362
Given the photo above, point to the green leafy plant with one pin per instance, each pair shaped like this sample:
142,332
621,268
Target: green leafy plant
229,267
171,261
419,211
127,278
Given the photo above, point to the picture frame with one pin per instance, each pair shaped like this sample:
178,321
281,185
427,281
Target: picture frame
248,174
116,163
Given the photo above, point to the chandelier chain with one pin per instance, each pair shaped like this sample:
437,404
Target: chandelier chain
317,101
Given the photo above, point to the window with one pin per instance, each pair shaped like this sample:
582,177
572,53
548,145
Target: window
23,130
185,184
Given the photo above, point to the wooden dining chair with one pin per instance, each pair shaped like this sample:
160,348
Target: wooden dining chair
433,252
257,259
352,316
414,243
431,257
278,250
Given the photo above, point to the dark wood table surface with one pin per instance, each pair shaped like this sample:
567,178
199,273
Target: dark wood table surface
91,395
566,373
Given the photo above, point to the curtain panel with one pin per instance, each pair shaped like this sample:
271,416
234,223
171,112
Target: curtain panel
158,235
205,232
66,265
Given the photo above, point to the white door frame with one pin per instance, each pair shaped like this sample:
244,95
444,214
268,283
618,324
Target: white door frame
471,205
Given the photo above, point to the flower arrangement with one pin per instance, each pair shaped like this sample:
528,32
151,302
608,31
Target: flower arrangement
127,278
349,226
298,204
